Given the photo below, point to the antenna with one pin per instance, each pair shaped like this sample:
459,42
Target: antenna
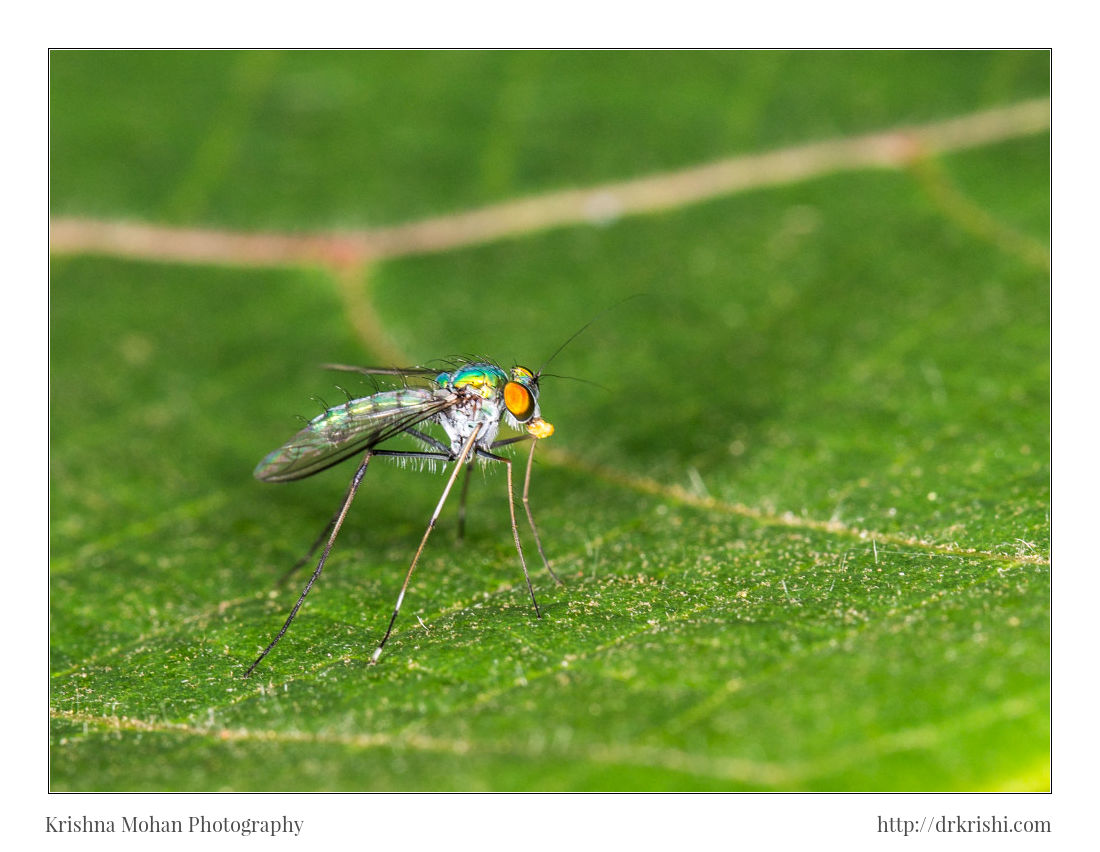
578,332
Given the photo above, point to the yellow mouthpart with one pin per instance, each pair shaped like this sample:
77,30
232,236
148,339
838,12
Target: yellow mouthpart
540,428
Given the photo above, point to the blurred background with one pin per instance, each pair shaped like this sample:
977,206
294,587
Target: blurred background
801,498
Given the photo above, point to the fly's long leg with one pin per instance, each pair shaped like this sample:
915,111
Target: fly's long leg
416,454
515,529
439,446
441,456
337,522
531,517
462,503
527,501
462,456
324,534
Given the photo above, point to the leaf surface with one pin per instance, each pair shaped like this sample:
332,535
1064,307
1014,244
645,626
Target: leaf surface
803,520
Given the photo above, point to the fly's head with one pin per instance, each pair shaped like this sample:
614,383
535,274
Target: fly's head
521,404
490,393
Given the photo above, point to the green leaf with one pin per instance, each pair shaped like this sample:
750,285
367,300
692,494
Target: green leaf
802,517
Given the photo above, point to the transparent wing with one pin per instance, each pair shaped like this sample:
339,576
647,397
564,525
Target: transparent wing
419,372
345,430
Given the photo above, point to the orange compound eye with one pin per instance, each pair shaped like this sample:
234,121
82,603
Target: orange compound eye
519,401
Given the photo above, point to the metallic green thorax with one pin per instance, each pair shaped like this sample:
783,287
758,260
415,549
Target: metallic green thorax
486,379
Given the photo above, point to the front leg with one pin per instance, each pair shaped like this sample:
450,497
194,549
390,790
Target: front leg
515,529
526,497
